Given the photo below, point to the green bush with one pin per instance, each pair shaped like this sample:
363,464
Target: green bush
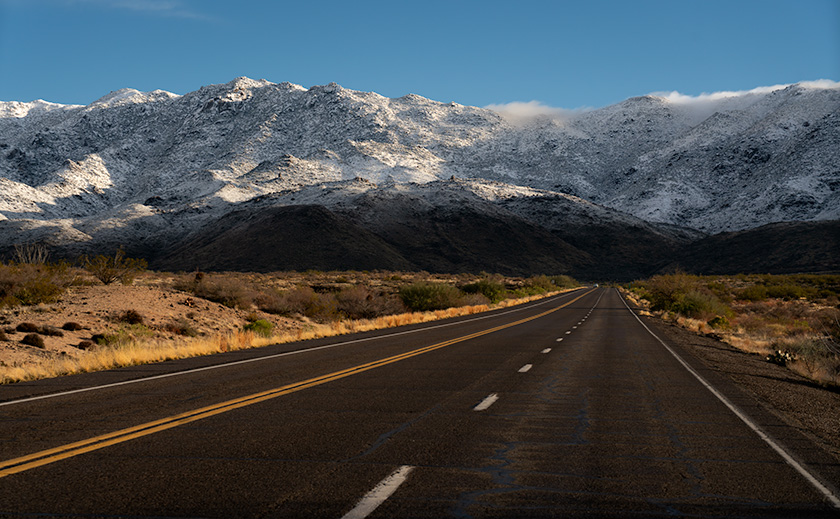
492,290
424,297
563,281
260,327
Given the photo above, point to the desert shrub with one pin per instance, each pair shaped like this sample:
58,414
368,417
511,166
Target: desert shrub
72,326
305,301
229,292
43,330
32,284
564,281
494,291
752,293
423,297
181,327
682,294
129,317
108,269
539,284
260,327
85,345
718,321
3,336
360,302
31,253
51,331
27,327
33,339
123,335
474,300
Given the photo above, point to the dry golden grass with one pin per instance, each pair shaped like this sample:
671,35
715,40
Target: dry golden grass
148,351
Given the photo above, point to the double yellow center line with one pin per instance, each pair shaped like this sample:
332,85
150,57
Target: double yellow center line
48,456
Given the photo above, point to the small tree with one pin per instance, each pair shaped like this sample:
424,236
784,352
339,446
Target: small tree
108,269
31,253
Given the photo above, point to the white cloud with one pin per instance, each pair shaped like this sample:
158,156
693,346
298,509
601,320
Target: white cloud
676,97
162,8
702,106
171,9
521,112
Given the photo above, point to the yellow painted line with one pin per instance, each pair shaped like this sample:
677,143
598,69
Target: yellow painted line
48,456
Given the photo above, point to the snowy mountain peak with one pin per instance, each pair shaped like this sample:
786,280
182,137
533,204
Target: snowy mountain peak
17,109
126,96
245,83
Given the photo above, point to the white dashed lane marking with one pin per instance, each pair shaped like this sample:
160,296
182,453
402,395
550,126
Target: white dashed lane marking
379,494
525,368
487,402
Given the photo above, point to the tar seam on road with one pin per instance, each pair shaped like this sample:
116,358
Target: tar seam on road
48,456
830,494
268,357
379,494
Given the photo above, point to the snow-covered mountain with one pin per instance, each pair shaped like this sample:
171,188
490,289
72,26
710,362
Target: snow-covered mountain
154,168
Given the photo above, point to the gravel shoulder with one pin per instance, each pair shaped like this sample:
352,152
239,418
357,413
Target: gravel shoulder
798,402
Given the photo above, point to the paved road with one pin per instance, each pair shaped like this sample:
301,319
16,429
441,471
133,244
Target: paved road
565,408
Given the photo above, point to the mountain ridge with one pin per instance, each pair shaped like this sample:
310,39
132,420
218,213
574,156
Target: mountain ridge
155,168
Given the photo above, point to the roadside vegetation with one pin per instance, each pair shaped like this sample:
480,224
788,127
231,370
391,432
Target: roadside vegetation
270,308
792,320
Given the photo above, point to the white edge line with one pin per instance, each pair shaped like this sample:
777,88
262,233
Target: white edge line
379,494
268,357
825,491
526,368
487,402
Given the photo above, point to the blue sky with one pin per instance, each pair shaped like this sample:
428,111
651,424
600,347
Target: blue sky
561,53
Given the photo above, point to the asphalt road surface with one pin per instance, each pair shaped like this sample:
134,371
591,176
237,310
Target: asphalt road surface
568,407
